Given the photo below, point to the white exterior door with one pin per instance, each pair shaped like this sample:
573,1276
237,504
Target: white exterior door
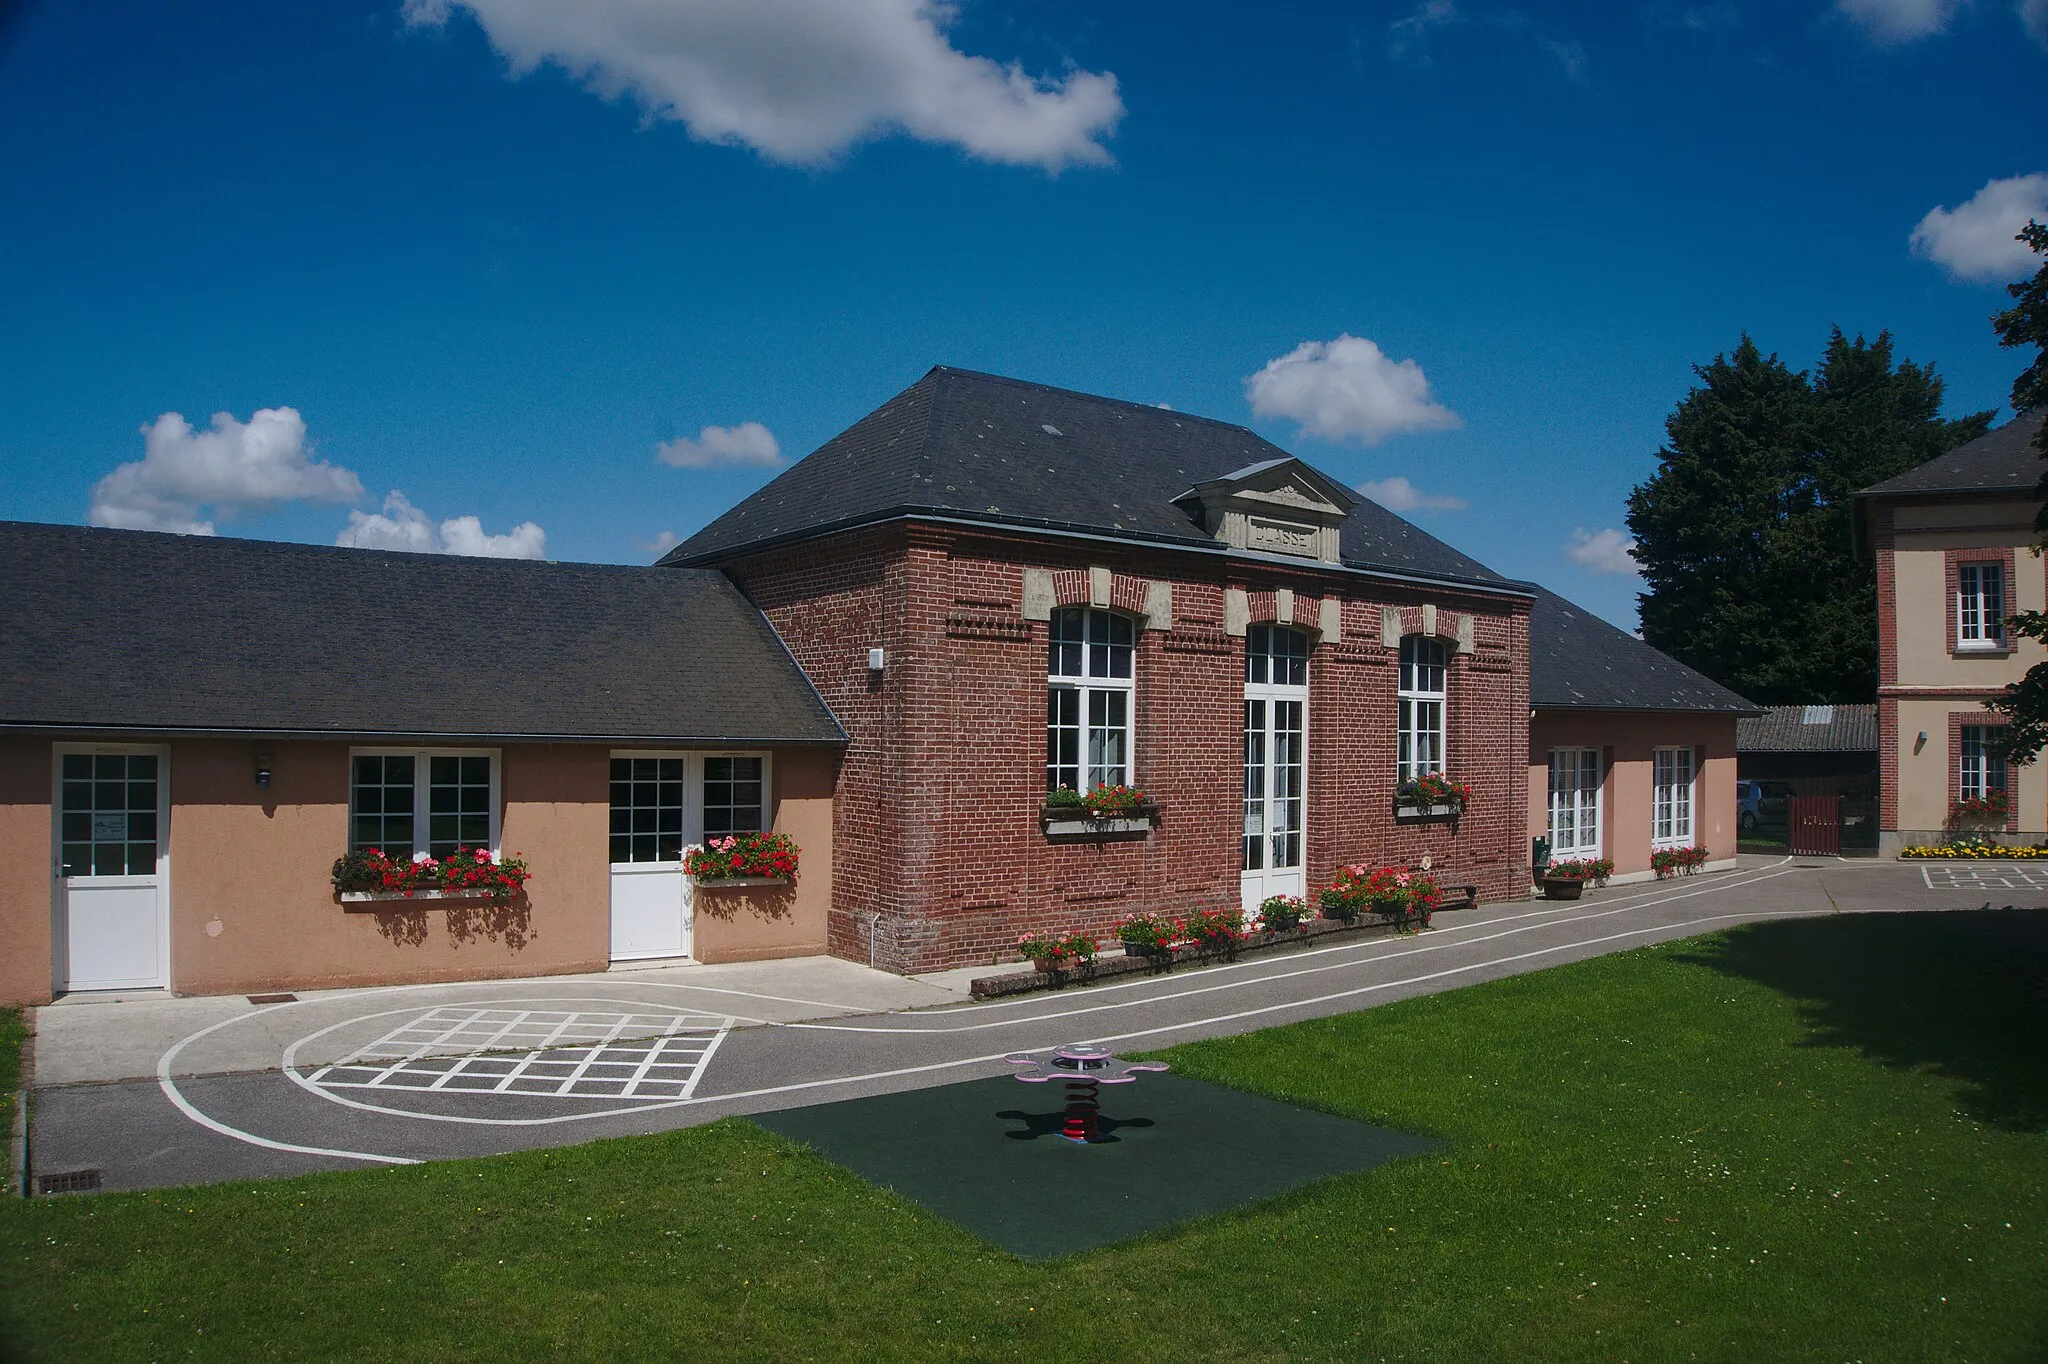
1275,764
112,921
654,821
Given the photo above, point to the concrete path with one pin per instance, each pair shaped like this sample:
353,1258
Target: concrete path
156,1091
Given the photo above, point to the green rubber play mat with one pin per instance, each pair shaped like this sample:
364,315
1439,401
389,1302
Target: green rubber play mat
987,1155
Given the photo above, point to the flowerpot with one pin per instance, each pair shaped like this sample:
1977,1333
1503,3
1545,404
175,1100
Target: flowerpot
1047,964
1560,889
1140,949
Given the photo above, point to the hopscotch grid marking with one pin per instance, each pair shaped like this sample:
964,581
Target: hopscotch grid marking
579,1055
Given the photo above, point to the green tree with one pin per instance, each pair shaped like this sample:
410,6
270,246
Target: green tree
1743,531
2025,703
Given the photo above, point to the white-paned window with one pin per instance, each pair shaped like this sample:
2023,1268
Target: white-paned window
1574,802
1983,771
1089,682
1671,799
1980,606
407,802
1421,692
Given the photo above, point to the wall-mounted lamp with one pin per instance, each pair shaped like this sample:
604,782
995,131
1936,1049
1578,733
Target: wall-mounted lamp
263,771
876,658
1920,742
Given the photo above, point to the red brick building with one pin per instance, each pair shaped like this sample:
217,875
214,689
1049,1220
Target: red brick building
1000,588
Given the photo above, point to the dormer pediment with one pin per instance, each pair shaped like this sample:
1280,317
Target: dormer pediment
1279,507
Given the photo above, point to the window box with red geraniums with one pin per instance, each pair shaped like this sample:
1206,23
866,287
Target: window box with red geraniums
1393,891
1146,935
1282,913
1105,810
1432,796
742,859
1214,930
1990,808
1051,954
1668,862
367,875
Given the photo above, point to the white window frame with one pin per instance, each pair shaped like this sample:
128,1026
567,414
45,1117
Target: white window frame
1987,765
421,784
1410,697
1271,694
1673,803
1980,605
1088,686
1581,846
693,761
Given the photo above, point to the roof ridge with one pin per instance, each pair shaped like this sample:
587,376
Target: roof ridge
955,370
254,542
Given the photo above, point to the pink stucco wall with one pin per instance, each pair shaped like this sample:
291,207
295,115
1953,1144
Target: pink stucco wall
251,906
1628,740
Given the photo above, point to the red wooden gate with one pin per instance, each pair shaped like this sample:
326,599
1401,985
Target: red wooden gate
1815,824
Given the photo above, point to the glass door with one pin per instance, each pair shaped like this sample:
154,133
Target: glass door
652,825
1275,764
112,923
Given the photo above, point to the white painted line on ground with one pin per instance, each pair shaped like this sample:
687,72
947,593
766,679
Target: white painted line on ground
801,1086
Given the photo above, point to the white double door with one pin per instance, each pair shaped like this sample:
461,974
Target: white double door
1275,770
111,921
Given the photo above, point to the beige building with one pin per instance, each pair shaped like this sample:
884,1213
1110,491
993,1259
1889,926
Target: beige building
1954,542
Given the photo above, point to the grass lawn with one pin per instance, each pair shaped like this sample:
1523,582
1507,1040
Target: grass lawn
1821,1139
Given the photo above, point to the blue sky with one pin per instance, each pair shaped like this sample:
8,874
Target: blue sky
495,255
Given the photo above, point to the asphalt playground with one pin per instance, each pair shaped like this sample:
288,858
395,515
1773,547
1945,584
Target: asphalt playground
152,1091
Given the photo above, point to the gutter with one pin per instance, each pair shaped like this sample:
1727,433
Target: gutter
59,729
1064,530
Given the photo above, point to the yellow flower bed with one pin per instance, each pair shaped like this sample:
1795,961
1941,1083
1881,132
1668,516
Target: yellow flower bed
1993,851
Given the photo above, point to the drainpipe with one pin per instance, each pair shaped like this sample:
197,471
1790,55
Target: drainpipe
873,919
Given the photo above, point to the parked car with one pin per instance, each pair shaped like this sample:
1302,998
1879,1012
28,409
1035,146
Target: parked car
1761,804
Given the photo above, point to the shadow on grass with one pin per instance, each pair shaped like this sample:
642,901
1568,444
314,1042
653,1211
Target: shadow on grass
1961,995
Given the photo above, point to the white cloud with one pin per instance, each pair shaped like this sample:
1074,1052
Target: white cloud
235,466
1976,239
1408,36
2034,16
660,544
1606,551
748,445
1397,494
1347,388
1890,22
802,80
401,525
1569,56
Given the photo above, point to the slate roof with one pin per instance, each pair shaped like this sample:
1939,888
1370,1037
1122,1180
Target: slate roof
137,631
2000,461
1578,661
985,448
1809,729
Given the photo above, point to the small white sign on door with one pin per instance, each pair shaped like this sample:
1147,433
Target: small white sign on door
110,828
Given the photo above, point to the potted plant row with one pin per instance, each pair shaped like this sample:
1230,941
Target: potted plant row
747,859
1566,879
1102,810
1990,808
1432,796
1669,862
1053,954
369,875
1404,896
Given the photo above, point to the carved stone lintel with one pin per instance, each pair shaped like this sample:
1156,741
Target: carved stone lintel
1158,606
1283,606
1332,620
1237,611
1038,594
1428,619
1100,584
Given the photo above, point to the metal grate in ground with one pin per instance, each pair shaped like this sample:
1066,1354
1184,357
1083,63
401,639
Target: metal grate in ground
577,1054
1984,876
